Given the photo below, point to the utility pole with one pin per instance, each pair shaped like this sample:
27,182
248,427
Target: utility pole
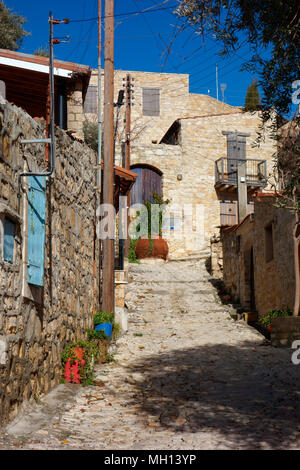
127,152
217,82
242,190
98,183
108,170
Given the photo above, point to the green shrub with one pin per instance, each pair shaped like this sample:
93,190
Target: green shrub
266,320
91,352
103,317
132,258
98,335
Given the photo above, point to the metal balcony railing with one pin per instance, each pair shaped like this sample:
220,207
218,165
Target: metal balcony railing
226,171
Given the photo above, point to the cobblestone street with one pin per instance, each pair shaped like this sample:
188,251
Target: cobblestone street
185,376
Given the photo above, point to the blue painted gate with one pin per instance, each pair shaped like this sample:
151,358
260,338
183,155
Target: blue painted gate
36,229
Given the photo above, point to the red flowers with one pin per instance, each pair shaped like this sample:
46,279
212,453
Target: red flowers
74,369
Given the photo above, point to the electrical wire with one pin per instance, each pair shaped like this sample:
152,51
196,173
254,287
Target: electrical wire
129,14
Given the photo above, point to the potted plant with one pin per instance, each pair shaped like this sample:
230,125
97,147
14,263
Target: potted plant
104,321
102,341
266,320
153,247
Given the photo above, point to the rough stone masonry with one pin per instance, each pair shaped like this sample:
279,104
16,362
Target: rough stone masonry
36,322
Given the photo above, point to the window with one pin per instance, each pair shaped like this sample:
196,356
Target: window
269,250
151,101
90,103
8,241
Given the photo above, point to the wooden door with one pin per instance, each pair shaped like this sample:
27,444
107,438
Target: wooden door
148,180
236,150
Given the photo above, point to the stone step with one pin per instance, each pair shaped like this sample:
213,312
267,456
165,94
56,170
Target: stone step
204,254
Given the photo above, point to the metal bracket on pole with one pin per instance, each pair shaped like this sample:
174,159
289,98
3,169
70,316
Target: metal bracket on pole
35,141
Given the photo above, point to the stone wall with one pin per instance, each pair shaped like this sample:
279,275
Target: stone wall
175,102
75,114
36,322
285,330
202,143
274,279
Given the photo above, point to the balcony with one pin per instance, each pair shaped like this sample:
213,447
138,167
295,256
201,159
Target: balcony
226,170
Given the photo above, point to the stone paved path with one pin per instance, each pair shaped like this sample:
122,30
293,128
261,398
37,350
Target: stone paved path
186,376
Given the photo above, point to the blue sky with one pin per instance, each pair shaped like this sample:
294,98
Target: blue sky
141,42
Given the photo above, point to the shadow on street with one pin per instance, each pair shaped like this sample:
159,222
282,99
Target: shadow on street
248,395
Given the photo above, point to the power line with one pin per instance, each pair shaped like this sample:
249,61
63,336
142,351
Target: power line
148,10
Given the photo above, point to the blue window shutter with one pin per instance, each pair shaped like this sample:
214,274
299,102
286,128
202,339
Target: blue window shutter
36,229
9,241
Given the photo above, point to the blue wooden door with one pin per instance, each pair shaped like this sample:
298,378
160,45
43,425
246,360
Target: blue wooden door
36,230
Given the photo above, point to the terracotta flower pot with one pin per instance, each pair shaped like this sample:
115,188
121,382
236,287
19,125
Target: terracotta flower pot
156,248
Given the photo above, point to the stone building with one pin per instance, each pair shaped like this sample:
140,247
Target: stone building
24,81
49,255
177,141
258,258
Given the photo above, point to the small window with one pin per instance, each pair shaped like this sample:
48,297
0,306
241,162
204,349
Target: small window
151,101
8,241
269,250
90,103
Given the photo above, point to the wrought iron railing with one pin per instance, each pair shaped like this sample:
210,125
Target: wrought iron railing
226,171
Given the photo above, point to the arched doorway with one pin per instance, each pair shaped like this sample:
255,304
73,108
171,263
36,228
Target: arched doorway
149,179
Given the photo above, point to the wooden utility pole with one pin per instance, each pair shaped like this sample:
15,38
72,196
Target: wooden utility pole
108,170
98,182
127,152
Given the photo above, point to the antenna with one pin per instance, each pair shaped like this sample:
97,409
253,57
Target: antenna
217,82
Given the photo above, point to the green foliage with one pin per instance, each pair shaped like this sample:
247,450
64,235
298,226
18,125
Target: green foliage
94,334
271,29
156,199
109,358
11,28
103,317
252,100
146,222
91,352
265,25
90,133
116,330
266,320
42,51
131,252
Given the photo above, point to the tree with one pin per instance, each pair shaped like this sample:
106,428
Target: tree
267,26
11,28
252,100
